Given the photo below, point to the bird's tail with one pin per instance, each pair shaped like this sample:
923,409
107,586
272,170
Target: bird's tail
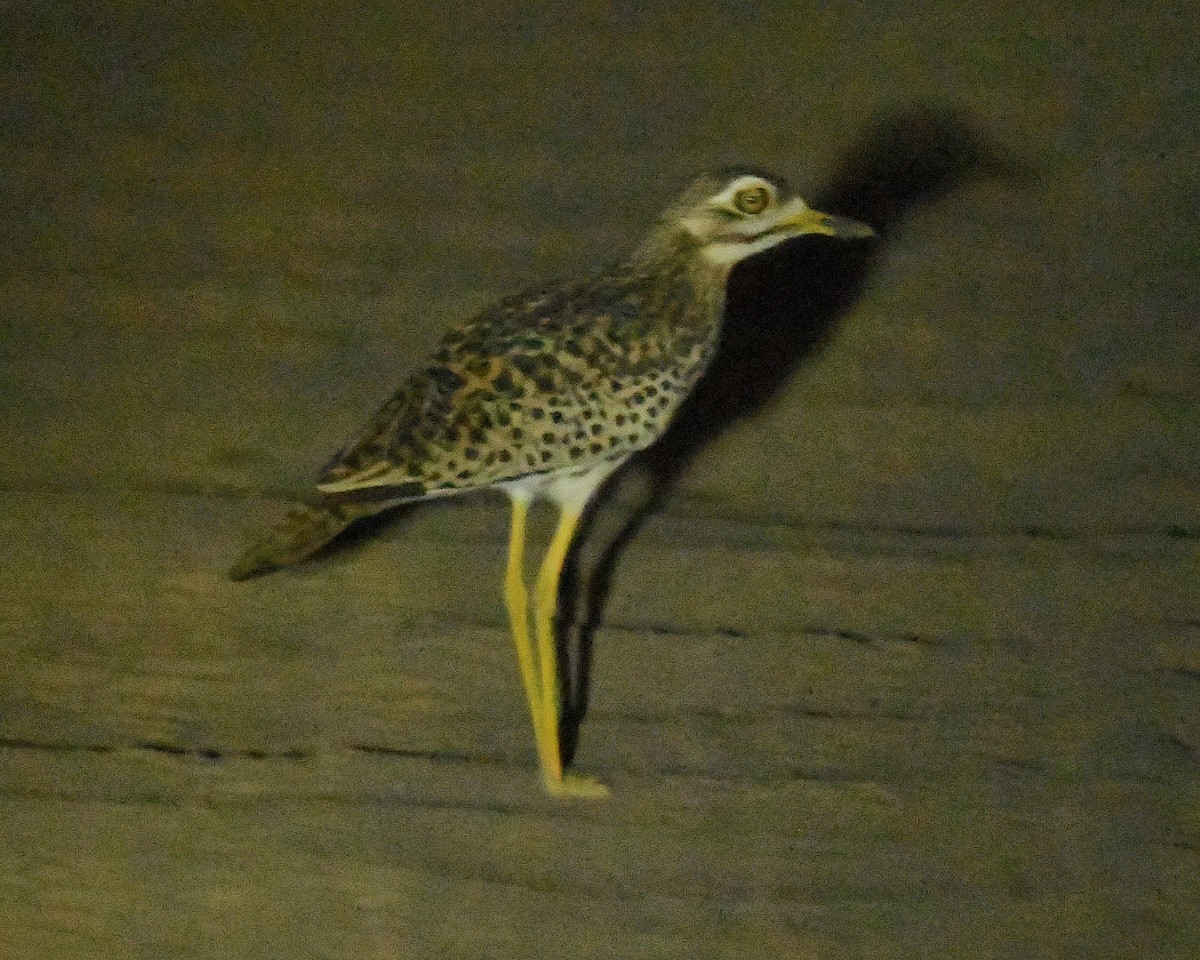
300,534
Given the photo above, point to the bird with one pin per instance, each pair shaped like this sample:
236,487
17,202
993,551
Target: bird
544,394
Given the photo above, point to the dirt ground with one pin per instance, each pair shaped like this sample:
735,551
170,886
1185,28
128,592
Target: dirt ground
901,660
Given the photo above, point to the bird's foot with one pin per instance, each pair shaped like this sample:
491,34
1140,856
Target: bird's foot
573,785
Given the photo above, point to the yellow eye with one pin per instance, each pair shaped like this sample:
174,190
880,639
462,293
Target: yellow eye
752,200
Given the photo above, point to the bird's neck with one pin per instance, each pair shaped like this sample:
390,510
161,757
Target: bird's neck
679,288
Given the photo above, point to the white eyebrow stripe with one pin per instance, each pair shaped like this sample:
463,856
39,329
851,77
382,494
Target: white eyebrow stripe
725,197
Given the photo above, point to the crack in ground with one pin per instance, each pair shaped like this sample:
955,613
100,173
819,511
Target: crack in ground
156,746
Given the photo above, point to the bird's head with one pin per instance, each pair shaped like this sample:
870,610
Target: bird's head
729,216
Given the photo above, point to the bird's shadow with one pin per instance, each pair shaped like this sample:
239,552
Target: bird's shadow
781,307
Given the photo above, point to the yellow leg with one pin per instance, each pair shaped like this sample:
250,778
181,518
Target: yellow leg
516,598
548,708
547,606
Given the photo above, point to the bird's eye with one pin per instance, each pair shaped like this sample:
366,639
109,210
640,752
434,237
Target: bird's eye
752,200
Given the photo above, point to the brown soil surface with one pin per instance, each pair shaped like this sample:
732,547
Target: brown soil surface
904,661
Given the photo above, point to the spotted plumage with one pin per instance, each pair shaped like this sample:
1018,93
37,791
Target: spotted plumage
533,386
546,393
